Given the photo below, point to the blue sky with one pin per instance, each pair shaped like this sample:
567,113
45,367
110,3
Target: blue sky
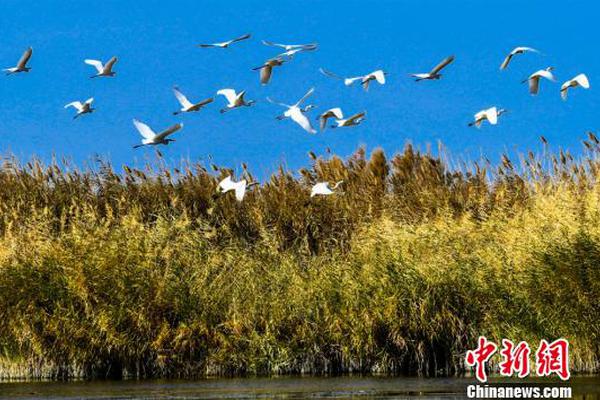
155,42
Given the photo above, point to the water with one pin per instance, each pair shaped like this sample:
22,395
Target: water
584,388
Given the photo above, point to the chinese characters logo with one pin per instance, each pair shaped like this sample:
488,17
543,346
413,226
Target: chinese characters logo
550,358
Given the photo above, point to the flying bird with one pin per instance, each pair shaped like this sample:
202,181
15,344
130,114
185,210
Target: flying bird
103,69
296,114
22,64
151,138
378,75
304,109
239,187
435,72
289,54
224,45
234,100
491,115
534,79
579,80
515,51
186,105
266,70
354,120
288,47
331,113
323,188
82,108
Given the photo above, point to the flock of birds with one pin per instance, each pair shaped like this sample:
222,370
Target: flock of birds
296,112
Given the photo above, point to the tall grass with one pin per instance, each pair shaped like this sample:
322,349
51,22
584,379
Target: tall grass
150,272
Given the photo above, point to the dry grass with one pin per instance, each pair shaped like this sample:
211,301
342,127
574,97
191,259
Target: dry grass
151,273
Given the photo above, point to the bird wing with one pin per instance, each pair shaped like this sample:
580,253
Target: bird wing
229,94
25,58
265,74
239,39
144,130
564,89
546,74
582,80
240,190
320,188
269,43
356,116
306,96
506,61
379,76
185,103
337,112
204,102
524,49
109,65
492,115
170,130
534,84
227,184
350,81
329,73
441,65
298,117
95,63
208,45
279,104
75,104
89,101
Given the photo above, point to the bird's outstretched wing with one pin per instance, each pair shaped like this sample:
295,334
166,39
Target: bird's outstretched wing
506,61
279,104
329,74
298,117
582,80
109,65
95,63
492,115
442,65
306,96
75,104
229,94
170,130
205,102
185,103
357,116
239,39
89,101
265,74
240,190
144,130
25,58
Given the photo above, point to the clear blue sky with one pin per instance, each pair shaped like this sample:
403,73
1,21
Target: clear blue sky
155,42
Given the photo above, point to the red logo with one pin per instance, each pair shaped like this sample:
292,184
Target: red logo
550,358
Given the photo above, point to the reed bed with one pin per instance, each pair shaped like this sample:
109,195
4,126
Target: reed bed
149,272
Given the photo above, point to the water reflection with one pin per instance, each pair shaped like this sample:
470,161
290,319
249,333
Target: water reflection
587,388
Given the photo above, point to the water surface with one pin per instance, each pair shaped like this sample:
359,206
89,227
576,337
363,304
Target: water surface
587,388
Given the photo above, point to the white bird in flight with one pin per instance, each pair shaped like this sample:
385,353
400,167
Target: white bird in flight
82,108
354,120
490,114
234,100
22,64
515,51
296,113
534,79
331,113
288,47
378,75
266,70
324,189
240,187
224,45
292,52
435,72
151,138
186,105
579,80
103,69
